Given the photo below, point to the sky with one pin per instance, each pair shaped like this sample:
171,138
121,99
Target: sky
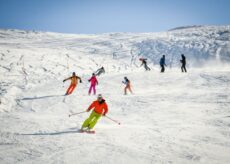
103,16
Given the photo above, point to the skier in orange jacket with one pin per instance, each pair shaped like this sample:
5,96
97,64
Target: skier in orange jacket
74,82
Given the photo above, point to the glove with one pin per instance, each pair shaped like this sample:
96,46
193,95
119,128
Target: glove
80,81
63,81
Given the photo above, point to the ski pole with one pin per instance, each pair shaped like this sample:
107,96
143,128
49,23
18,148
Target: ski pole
113,120
76,113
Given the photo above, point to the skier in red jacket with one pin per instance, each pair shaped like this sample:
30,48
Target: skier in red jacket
99,108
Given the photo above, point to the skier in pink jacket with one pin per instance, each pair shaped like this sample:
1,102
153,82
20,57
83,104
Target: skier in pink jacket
94,82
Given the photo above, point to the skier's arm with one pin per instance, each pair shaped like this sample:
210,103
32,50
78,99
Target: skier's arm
67,79
90,107
105,109
79,79
90,79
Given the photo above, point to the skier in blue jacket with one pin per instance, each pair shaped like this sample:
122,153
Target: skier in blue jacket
162,63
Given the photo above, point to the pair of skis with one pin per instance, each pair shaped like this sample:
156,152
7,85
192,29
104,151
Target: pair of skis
87,131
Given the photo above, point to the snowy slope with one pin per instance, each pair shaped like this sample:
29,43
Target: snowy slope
171,118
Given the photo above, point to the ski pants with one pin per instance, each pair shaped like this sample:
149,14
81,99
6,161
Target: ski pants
183,68
94,89
162,68
91,121
147,68
128,87
70,89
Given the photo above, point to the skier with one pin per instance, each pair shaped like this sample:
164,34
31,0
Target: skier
144,62
183,61
100,108
74,82
100,71
94,82
162,63
128,85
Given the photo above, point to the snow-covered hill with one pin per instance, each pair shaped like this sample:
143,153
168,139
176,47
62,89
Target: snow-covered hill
171,118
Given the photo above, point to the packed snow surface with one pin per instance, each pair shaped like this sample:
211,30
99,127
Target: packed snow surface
172,117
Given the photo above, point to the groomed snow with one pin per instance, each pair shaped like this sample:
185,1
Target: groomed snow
171,118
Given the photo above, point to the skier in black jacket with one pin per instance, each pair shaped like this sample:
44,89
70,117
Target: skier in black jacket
183,61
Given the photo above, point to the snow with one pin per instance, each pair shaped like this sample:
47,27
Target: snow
171,118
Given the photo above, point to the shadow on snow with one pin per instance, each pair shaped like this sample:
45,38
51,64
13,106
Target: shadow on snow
41,97
52,133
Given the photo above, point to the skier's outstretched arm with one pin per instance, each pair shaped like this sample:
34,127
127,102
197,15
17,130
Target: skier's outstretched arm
67,79
79,79
90,107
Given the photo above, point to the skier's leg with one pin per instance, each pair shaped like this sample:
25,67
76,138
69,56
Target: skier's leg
146,67
68,90
73,87
182,69
94,89
125,90
130,90
185,69
87,121
94,120
162,68
90,89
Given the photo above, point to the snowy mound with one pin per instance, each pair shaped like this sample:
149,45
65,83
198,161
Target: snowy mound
171,118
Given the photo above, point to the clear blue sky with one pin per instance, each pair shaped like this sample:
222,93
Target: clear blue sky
100,16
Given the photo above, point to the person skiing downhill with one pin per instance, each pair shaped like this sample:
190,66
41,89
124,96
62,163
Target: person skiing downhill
162,63
183,61
144,62
94,82
100,71
99,108
127,85
74,82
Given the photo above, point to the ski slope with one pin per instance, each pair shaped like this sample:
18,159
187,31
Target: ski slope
171,118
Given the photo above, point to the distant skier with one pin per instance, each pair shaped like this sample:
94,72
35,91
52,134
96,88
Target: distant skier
100,71
74,82
144,62
94,82
99,108
127,85
162,63
183,61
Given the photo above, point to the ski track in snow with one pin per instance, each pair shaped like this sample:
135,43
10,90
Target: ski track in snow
170,118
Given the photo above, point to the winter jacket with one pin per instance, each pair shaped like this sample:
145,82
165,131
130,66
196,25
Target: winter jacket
162,61
93,80
183,61
99,107
74,80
